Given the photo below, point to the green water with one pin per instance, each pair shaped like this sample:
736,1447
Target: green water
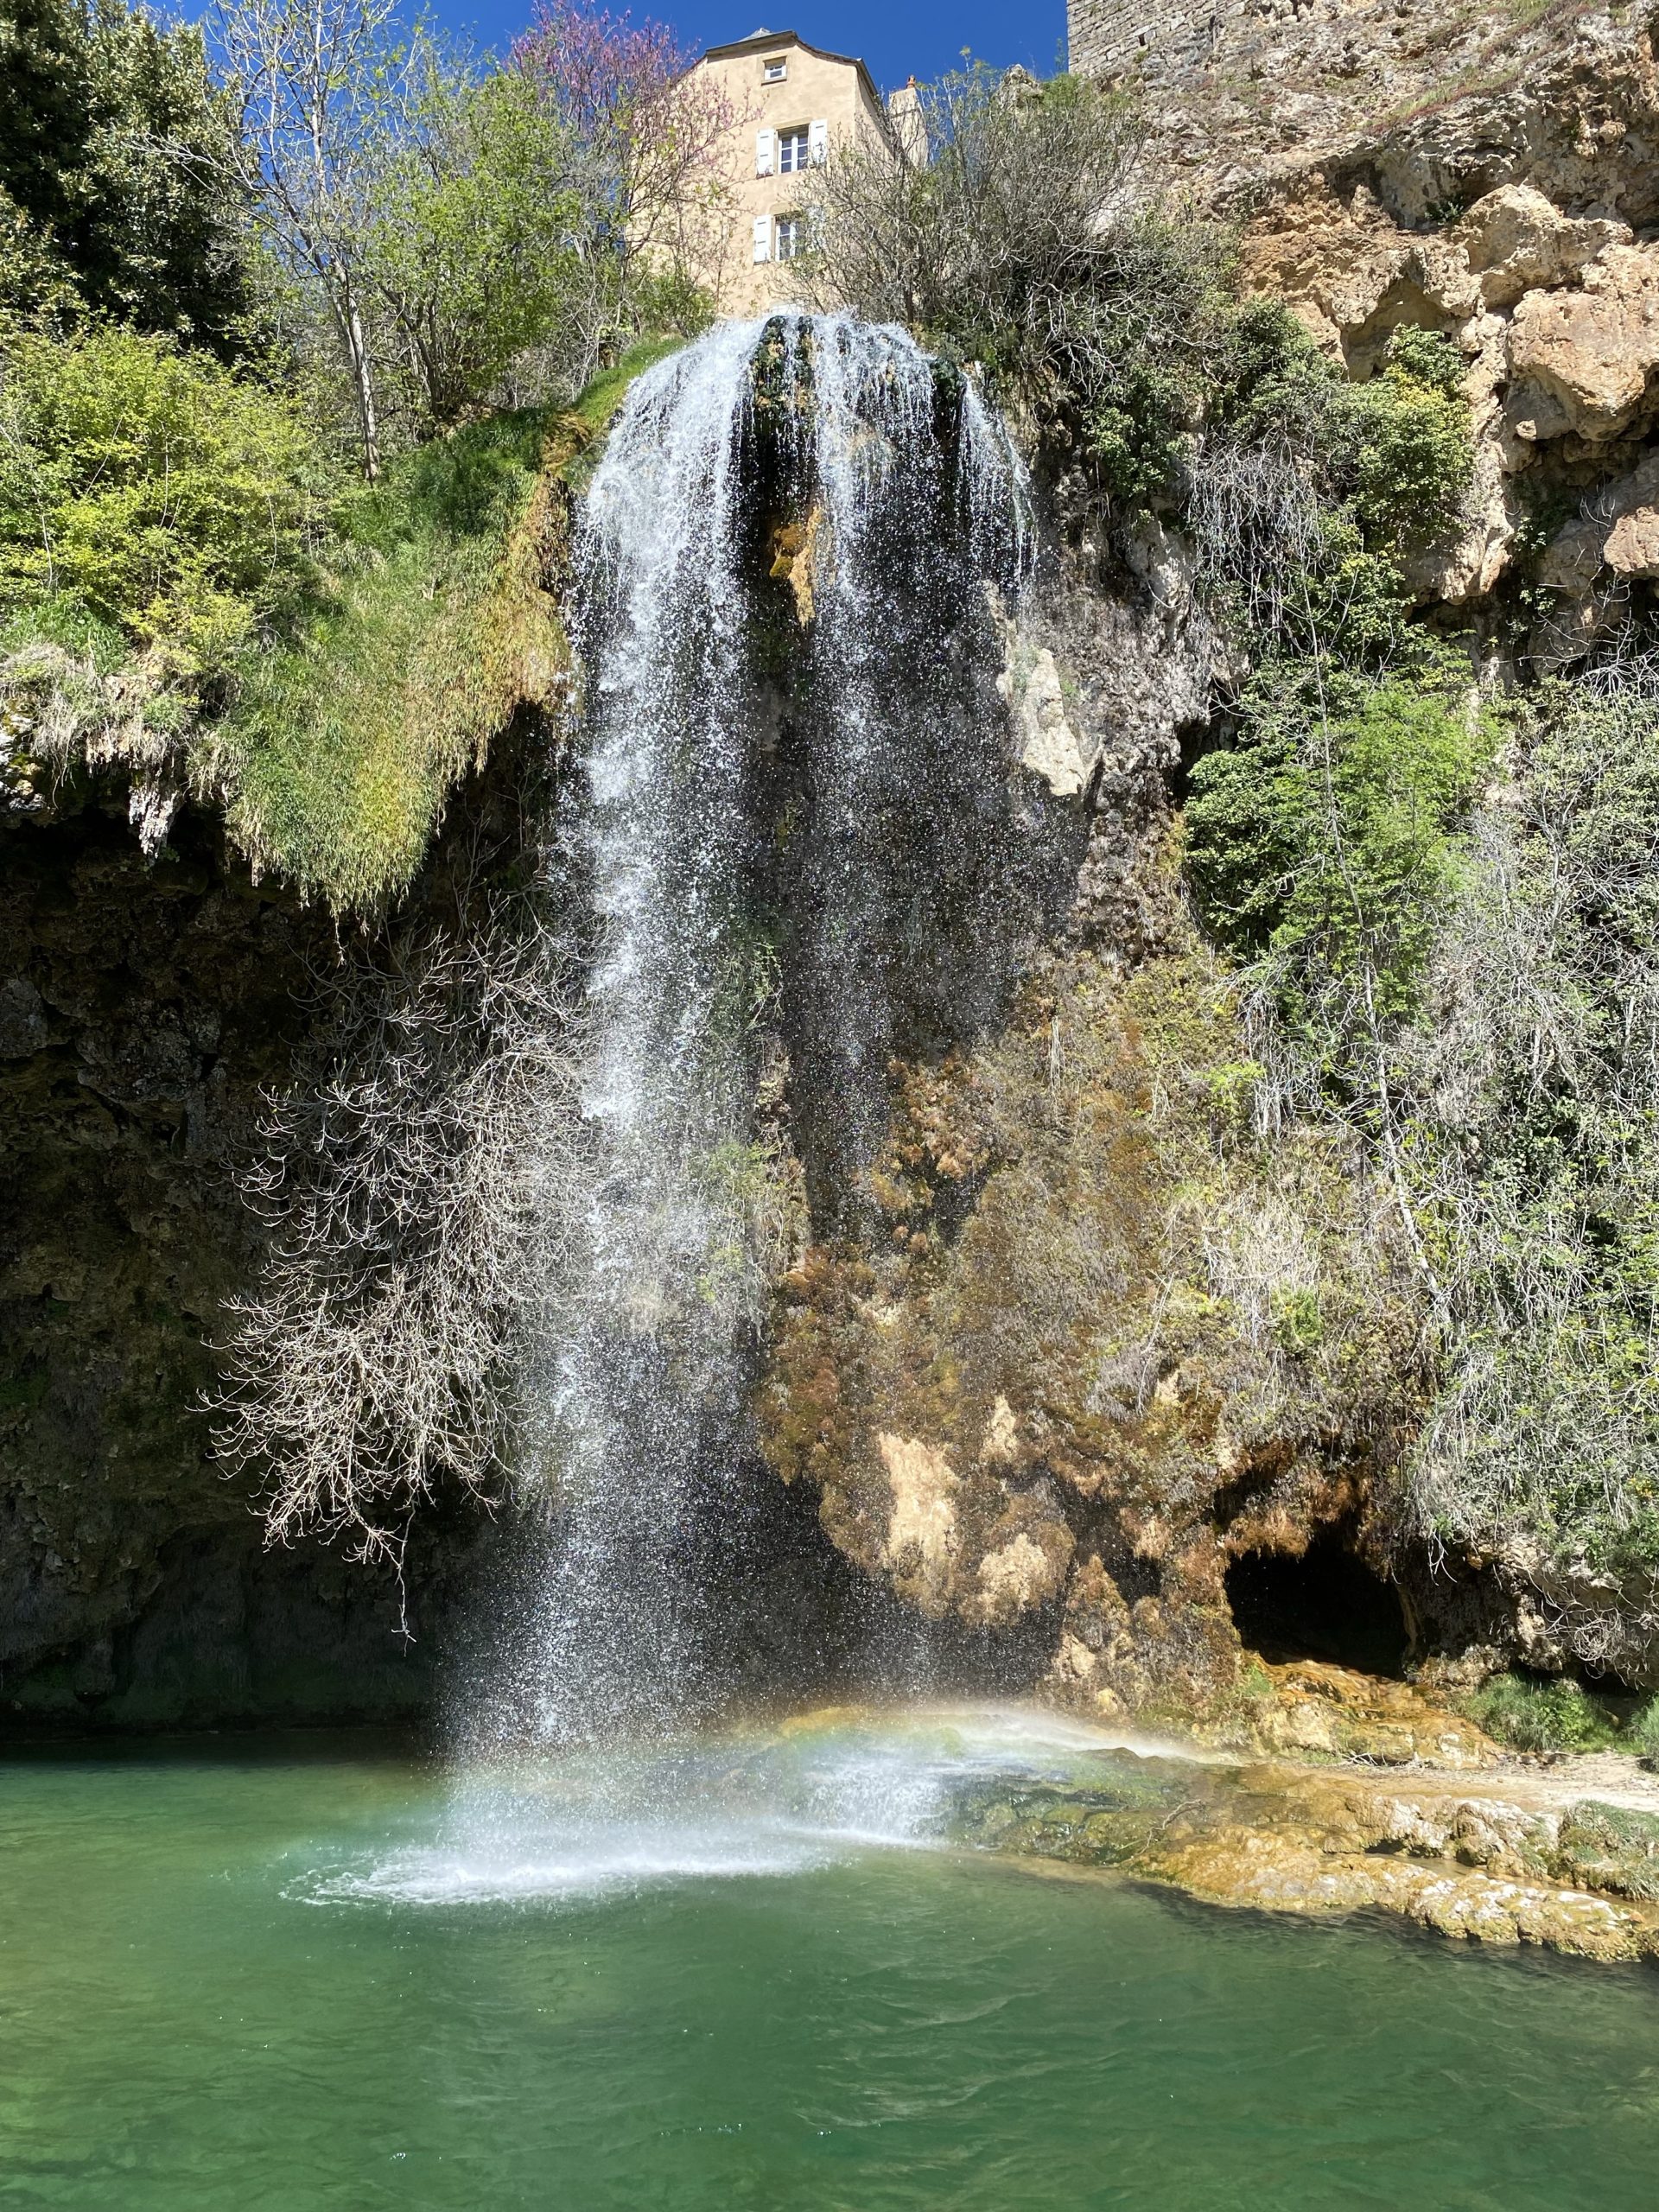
259,1979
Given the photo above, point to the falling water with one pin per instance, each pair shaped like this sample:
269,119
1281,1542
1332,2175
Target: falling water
791,781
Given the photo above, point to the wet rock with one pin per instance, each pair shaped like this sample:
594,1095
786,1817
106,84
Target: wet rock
1047,744
923,1537
1336,1711
1577,1877
1610,1847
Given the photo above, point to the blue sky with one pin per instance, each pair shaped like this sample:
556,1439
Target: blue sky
897,39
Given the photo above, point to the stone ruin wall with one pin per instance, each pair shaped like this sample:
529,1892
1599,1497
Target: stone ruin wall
1115,38
1109,38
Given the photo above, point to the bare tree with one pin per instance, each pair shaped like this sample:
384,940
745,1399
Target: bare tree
317,85
412,1198
1532,1084
1020,217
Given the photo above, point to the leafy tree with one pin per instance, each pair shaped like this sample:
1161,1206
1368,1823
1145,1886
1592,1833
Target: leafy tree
650,133
113,165
476,247
448,220
319,87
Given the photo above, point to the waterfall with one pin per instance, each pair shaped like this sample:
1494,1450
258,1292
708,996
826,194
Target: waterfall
792,784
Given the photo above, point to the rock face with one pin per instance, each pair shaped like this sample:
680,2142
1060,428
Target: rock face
143,1006
1580,360
1105,1361
1502,200
1433,108
1091,1342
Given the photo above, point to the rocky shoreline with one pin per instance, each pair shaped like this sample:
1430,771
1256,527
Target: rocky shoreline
1475,1843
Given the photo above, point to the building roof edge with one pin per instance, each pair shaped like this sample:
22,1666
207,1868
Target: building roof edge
757,39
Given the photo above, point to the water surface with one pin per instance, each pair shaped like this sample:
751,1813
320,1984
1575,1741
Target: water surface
277,1977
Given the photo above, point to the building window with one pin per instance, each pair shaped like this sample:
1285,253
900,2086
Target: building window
792,151
792,236
775,71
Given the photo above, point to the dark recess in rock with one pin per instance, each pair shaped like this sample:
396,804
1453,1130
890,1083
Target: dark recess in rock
1324,1604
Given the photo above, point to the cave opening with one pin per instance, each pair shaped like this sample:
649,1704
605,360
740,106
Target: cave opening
1326,1604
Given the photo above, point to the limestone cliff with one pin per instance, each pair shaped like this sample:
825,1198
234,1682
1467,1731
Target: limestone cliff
1491,181
1101,1360
1119,1358
1105,1339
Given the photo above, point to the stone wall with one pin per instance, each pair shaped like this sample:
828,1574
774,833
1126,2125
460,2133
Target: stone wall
1110,38
1117,38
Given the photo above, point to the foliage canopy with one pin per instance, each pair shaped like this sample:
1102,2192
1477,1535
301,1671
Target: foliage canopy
114,146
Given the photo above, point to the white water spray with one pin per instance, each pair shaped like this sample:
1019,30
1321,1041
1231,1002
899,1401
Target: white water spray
856,747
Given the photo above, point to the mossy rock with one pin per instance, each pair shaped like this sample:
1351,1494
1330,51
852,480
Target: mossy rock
1612,1848
1106,1822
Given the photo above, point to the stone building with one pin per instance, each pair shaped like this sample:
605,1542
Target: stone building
790,104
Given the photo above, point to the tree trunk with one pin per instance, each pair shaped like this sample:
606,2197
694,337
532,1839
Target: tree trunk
357,353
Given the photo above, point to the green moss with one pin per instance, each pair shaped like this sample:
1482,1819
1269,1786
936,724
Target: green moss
25,1389
1612,1848
434,621
1079,1217
596,405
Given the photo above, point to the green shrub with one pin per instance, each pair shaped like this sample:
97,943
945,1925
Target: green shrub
1141,349
1641,1735
1535,1715
1332,845
1410,448
153,490
1309,492
1398,447
1015,245
1298,1322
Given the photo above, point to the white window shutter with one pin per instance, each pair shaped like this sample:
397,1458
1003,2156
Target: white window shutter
763,238
818,142
763,153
